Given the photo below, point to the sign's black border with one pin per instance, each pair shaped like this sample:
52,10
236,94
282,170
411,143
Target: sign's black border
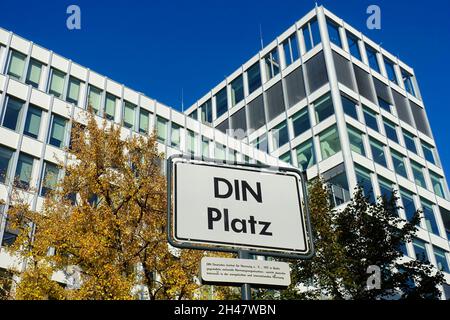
232,247
231,244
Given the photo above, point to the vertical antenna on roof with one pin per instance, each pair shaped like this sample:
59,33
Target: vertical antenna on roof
182,100
261,36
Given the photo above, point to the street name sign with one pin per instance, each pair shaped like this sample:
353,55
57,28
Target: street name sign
228,207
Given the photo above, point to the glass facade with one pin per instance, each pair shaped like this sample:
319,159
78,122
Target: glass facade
280,135
371,119
419,178
24,170
378,153
12,115
324,108
57,131
237,91
16,65
56,87
398,161
300,122
356,141
353,46
305,155
33,122
5,162
73,91
34,73
329,143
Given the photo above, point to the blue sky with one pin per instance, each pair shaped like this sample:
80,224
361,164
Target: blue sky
159,47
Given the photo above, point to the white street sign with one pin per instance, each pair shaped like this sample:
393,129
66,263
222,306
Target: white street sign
238,208
238,271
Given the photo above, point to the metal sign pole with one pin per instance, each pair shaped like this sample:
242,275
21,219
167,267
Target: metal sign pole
246,289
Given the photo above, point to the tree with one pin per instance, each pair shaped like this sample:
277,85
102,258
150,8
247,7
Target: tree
104,224
350,240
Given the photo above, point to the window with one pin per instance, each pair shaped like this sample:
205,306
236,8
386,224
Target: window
349,107
417,170
286,157
408,204
220,152
144,118
5,162
408,82
386,188
260,143
280,135
430,219
95,100
9,237
275,101
221,102
378,152
256,113
16,64
329,143
110,106
13,113
57,131
441,260
33,122
24,170
161,129
384,104
34,73
353,46
50,178
128,115
311,34
438,184
364,181
372,57
295,86
333,33
324,108
206,112
56,83
175,136
253,77
370,118
390,70
290,48
305,155
237,90
336,179
272,64
356,141
194,114
428,152
316,71
409,142
73,91
391,131
205,147
300,122
364,83
420,250
399,164
191,142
